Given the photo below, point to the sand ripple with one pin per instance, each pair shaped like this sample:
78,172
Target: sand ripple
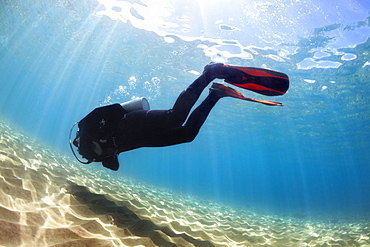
49,200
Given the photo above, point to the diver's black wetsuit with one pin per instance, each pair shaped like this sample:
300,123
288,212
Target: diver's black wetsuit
115,130
110,130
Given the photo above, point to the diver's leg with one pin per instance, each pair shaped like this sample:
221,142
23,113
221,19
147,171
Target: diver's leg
199,116
189,131
150,131
177,115
155,128
186,100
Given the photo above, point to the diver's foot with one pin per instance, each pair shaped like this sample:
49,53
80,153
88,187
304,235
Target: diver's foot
221,90
216,70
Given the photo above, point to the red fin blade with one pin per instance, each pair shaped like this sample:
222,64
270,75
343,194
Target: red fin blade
262,81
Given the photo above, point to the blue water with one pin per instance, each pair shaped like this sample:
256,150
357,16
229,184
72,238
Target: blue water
61,60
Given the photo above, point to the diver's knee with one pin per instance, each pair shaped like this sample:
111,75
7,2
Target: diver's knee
190,137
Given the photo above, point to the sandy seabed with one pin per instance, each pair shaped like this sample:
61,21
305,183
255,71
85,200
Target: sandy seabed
48,200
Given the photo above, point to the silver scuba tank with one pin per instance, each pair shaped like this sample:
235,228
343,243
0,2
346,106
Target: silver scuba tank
136,104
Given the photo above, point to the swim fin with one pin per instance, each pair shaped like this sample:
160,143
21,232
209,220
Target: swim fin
225,91
262,81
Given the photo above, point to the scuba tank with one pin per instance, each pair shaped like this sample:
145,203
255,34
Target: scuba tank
136,104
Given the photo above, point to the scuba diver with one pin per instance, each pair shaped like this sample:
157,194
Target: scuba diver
109,130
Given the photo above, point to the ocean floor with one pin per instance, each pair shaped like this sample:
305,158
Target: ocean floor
50,200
